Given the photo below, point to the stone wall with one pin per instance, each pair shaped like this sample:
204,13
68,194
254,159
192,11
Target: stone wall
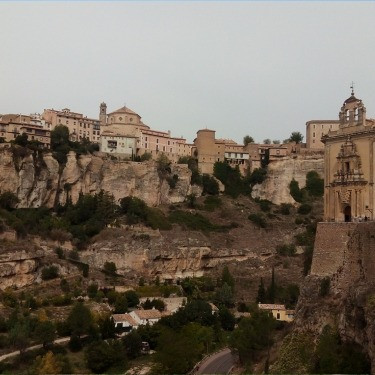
345,252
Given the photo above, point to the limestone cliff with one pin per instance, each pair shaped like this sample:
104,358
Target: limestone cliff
343,253
280,172
18,264
39,181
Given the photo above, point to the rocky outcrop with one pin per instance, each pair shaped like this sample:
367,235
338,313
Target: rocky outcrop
344,254
281,172
149,253
18,264
39,180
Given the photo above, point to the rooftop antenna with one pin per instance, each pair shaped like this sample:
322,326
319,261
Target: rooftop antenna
352,87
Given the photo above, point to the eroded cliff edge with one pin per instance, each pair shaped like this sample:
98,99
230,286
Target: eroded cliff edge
40,181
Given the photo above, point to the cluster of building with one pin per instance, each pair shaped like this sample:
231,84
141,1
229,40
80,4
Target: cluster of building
123,134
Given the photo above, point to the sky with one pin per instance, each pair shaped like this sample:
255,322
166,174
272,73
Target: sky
241,68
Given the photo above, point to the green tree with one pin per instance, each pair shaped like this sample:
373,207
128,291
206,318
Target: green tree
45,332
210,185
101,355
226,277
295,191
8,200
132,298
227,319
272,289
252,335
296,137
79,319
267,141
19,336
224,296
92,290
110,268
261,297
133,344
314,184
247,139
21,140
121,305
107,328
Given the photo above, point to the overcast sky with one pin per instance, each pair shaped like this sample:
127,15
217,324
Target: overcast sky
257,68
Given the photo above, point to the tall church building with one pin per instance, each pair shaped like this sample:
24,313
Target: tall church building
349,193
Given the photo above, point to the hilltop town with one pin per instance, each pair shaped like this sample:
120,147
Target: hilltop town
126,249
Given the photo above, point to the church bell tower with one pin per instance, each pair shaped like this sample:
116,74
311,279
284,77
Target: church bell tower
103,114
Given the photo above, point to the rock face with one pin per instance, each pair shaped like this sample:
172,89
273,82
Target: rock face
281,172
39,181
149,253
343,253
18,264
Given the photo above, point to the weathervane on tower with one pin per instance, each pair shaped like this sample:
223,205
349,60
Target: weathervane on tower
352,87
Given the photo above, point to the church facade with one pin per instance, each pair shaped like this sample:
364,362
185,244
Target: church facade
349,193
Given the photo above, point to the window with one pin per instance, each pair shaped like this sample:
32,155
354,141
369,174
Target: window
278,316
314,134
157,141
145,138
145,145
67,122
169,143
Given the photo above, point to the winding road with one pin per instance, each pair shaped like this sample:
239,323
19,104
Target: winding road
218,363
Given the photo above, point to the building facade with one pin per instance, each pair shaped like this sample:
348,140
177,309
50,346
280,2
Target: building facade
12,125
349,165
316,129
80,127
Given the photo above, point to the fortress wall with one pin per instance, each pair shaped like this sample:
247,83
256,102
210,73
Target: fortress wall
345,252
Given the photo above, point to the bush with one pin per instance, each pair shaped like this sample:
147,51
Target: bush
172,181
73,255
258,220
192,221
286,250
110,268
265,205
324,287
75,344
212,202
285,208
298,220
210,185
146,156
304,209
49,273
8,200
92,290
314,184
156,219
295,191
60,253
257,176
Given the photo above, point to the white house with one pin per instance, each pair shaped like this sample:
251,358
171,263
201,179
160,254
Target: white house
143,317
124,321
113,143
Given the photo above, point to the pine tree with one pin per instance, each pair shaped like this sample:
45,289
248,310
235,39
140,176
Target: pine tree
261,298
271,291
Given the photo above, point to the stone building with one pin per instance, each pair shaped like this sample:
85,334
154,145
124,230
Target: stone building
79,126
210,150
12,125
127,124
315,129
349,165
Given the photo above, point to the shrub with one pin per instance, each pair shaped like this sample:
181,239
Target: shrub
172,181
258,220
304,209
62,300
210,185
286,250
265,205
212,202
60,253
285,208
314,184
295,191
324,287
257,176
156,219
49,273
192,221
92,290
8,200
298,220
146,156
75,344
110,268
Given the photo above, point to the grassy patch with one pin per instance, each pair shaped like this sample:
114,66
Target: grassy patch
157,290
